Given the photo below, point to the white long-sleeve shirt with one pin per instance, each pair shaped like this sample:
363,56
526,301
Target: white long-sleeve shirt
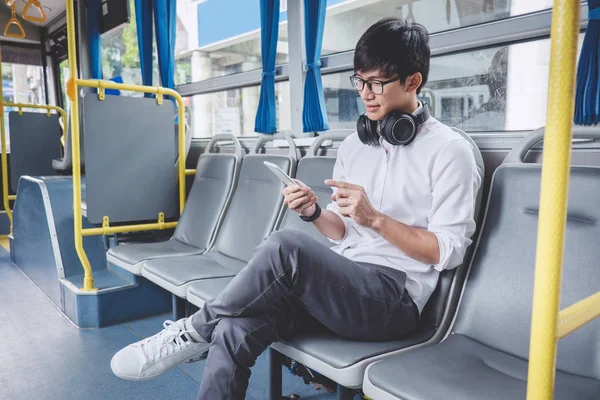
431,183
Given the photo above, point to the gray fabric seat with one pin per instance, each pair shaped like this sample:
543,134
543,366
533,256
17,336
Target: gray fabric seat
200,292
312,171
177,273
255,209
214,183
486,356
462,368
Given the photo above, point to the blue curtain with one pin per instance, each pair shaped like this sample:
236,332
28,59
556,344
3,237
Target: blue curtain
143,19
93,16
165,14
269,24
314,114
587,92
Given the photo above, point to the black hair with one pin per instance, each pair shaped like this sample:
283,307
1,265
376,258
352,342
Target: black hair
395,47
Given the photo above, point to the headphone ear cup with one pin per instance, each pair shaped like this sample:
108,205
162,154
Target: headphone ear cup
361,128
399,128
367,131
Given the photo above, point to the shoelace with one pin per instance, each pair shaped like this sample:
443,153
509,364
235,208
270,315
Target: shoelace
166,342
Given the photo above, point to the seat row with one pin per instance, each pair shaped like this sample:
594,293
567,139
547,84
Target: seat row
472,340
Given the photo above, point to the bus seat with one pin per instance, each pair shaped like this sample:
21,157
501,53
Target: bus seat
486,355
214,183
344,361
312,171
255,209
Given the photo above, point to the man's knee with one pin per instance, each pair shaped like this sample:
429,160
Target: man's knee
288,240
245,337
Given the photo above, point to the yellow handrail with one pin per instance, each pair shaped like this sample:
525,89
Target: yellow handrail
128,228
553,200
14,20
6,202
160,91
27,17
578,314
72,84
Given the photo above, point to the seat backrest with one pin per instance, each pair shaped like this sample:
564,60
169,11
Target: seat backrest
214,183
313,170
496,306
34,143
257,202
450,283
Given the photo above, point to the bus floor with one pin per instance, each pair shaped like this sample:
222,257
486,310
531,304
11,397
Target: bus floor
44,356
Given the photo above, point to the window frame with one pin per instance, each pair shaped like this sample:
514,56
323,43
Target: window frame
520,28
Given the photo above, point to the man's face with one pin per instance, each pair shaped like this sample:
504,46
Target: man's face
386,97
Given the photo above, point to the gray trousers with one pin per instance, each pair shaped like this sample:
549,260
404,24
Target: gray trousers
295,284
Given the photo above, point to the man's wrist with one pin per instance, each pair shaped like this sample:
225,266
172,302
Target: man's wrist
311,216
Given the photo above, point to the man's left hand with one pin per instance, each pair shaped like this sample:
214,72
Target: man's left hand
353,202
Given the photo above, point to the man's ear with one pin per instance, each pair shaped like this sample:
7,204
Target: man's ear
413,82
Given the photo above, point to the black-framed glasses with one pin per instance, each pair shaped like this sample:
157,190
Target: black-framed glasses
375,87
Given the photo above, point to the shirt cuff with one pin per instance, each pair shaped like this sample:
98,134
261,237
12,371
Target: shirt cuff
451,255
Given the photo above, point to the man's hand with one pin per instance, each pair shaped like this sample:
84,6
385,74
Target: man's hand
300,198
353,202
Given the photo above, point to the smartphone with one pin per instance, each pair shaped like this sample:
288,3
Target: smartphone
279,173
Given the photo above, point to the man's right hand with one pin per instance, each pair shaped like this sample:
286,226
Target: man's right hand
300,198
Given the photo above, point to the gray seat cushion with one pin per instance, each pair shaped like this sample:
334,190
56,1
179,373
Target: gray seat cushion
130,256
179,271
461,368
342,353
207,289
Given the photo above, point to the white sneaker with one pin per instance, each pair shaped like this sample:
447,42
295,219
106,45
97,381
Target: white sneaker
158,354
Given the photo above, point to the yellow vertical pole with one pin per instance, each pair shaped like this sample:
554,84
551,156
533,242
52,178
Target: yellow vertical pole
4,157
88,280
553,199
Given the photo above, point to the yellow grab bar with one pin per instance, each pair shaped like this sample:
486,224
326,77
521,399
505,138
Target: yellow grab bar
27,17
160,91
553,200
128,228
13,20
578,314
5,196
88,280
72,84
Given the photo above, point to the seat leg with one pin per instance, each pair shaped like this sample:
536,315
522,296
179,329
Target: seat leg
343,393
275,361
178,308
